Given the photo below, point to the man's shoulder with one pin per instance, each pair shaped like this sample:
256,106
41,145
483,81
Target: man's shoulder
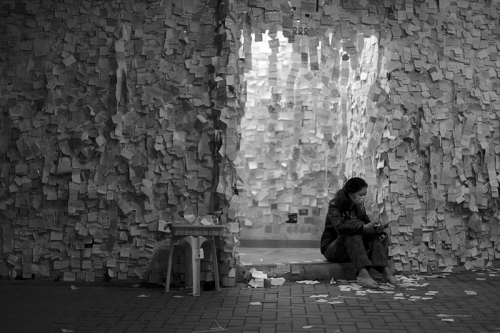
334,203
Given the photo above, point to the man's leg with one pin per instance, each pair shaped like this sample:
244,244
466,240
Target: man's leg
336,251
380,258
357,252
360,260
378,251
351,248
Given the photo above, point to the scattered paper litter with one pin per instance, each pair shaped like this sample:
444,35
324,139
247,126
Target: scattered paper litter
307,327
374,291
258,274
353,286
136,285
412,284
356,297
255,303
213,329
74,288
278,281
143,295
447,319
336,302
322,300
256,283
319,295
470,292
308,282
435,276
480,279
258,278
386,287
451,315
411,281
66,331
178,296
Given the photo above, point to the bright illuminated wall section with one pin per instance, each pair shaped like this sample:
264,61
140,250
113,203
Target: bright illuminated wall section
357,109
287,135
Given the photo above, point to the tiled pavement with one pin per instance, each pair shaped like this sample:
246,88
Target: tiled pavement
30,306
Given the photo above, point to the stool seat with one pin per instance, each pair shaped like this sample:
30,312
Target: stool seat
194,237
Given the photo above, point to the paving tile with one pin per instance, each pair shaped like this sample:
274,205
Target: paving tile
118,329
361,324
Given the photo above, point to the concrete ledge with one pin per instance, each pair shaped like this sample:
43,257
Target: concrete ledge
272,243
314,270
324,270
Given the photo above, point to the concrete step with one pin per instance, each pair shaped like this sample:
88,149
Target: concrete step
294,264
296,271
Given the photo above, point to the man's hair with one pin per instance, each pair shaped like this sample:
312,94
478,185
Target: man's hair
342,198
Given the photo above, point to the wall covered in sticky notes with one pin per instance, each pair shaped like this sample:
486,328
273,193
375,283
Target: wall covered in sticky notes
412,108
118,118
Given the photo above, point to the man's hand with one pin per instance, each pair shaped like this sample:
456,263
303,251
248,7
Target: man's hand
379,228
369,228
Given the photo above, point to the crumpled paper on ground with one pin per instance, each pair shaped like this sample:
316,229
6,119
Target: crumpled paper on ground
410,281
308,282
278,281
259,282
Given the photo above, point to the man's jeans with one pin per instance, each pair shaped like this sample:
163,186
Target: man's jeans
363,251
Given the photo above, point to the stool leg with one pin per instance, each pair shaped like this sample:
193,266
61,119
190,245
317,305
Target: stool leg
195,245
188,253
169,264
215,264
196,272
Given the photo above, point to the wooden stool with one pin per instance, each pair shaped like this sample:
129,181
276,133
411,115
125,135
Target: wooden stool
194,236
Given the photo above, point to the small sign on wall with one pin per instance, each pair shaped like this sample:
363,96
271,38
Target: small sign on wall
292,218
164,226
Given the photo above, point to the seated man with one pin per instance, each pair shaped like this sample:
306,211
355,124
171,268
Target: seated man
349,236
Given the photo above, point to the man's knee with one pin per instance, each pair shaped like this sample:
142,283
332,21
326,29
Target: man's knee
354,239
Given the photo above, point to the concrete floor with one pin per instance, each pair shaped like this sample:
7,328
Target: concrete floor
51,307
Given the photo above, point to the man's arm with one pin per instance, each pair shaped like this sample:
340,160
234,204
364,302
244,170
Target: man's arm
343,225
